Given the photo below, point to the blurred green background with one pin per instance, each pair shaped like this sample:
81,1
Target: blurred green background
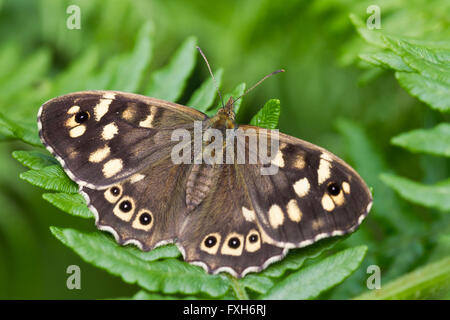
328,97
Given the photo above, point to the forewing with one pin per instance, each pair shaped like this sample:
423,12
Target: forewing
103,137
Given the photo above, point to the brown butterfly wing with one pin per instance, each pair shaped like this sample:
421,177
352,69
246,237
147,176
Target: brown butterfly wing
313,195
222,233
102,137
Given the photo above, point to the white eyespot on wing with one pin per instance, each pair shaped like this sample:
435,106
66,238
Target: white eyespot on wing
327,202
99,155
77,131
146,224
213,248
324,171
301,187
228,250
293,210
249,215
278,160
276,216
112,167
73,109
101,108
109,131
119,211
113,194
253,241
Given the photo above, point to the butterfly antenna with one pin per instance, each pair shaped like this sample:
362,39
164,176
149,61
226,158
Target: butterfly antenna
258,83
210,72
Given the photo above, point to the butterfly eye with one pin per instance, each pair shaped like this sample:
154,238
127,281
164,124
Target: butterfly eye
210,241
145,218
125,206
333,189
81,116
234,243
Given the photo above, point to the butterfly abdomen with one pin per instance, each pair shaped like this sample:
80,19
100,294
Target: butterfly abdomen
198,185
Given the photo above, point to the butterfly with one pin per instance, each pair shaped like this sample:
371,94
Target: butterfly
224,216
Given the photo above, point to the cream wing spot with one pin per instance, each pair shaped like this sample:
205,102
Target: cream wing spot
293,210
233,244
276,216
324,171
346,187
278,160
137,177
317,224
327,203
144,220
299,161
253,241
249,215
112,167
339,200
73,109
77,131
130,112
147,122
101,108
211,243
109,131
70,123
301,187
109,95
99,155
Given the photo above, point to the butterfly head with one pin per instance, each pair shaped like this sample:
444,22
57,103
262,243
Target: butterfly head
225,117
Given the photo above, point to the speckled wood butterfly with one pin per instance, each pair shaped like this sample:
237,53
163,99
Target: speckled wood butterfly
222,216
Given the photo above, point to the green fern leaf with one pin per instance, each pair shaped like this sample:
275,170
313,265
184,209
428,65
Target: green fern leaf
131,69
50,178
311,281
434,141
204,96
34,159
435,196
169,82
70,203
268,115
169,276
428,282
